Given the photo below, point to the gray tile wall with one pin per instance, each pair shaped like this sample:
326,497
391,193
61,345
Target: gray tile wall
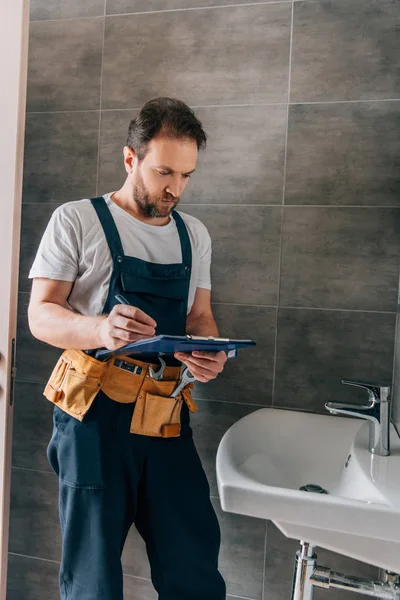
299,188
396,372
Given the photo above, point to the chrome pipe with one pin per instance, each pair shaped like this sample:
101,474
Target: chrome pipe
324,578
304,566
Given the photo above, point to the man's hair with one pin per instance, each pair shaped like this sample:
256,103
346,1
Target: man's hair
168,116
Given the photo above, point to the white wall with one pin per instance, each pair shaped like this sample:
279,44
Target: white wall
14,23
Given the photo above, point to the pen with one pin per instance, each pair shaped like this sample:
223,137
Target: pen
121,299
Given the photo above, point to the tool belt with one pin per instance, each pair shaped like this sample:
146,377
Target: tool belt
77,378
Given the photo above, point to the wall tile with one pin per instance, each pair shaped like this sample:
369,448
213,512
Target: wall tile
318,348
248,378
142,589
65,9
345,50
64,65
34,523
35,359
209,425
138,589
245,251
340,258
213,56
32,578
60,161
396,374
33,426
279,566
243,161
134,557
344,154
132,6
338,154
241,538
241,556
242,552
36,579
113,134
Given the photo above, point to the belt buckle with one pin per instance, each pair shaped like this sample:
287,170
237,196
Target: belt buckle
122,364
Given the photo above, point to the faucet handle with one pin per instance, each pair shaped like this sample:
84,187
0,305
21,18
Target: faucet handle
377,392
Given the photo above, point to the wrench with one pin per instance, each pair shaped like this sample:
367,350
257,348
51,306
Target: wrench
186,378
157,375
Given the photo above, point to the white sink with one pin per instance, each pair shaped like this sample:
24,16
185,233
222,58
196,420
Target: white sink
265,458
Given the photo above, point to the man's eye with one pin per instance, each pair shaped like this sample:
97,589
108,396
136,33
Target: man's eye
188,176
162,173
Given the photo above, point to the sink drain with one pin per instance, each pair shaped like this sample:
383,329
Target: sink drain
311,487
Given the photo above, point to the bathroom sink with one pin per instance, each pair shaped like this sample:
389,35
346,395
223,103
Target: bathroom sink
265,458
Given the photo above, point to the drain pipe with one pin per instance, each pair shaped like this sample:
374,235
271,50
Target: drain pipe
323,577
304,566
308,575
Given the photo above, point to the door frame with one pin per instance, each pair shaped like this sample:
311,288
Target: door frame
14,36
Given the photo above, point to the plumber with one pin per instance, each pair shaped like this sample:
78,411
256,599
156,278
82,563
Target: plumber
122,444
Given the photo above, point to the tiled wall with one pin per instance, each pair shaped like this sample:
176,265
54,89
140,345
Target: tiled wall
299,188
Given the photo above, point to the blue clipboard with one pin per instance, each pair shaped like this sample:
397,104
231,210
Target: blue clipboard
169,344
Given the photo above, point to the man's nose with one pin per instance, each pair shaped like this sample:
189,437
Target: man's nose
175,188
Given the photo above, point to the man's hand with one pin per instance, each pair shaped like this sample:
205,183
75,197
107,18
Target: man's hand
203,365
125,324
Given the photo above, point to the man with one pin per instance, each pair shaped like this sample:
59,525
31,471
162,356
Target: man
116,461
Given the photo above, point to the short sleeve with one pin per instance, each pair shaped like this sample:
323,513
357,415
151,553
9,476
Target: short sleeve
204,280
58,253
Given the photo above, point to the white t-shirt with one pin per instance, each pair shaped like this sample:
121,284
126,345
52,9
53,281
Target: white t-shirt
74,248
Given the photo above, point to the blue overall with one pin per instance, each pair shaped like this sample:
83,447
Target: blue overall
116,478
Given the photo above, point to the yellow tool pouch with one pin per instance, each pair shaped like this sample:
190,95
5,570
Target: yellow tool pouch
77,378
74,383
122,385
156,414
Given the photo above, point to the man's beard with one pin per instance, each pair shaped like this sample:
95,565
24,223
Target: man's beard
153,206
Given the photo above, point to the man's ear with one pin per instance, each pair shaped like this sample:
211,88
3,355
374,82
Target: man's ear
130,159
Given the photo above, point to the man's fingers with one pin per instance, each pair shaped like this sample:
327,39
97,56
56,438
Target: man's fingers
133,319
206,364
135,314
133,326
197,366
202,375
203,366
126,336
205,354
202,378
200,372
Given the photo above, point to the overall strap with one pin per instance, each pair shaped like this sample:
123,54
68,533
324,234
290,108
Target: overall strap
109,227
114,240
185,241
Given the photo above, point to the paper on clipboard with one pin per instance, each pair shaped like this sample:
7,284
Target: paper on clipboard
169,344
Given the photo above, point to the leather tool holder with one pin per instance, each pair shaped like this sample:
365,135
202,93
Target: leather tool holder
156,413
74,383
77,378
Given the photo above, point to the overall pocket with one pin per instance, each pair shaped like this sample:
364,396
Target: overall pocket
78,452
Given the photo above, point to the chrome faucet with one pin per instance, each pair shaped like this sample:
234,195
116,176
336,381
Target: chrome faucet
377,412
